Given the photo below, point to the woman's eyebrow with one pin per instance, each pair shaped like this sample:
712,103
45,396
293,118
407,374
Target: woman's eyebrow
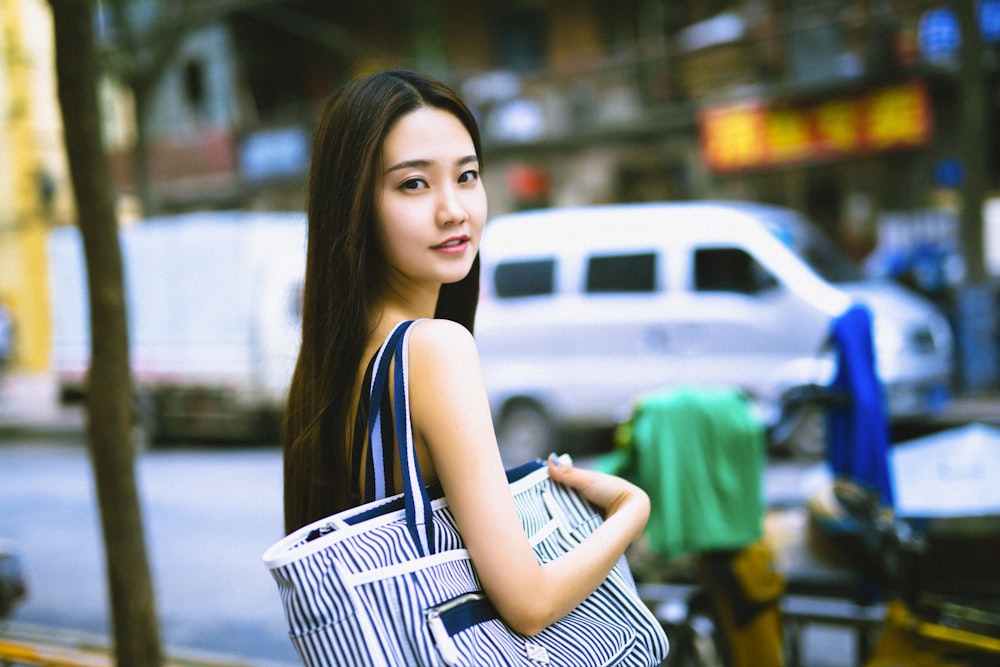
423,163
408,164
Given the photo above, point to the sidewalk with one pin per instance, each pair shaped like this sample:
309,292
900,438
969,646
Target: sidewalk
28,645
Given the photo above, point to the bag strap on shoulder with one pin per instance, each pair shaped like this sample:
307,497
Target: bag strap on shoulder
417,503
376,484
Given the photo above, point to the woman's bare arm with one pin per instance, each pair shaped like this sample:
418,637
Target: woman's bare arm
451,419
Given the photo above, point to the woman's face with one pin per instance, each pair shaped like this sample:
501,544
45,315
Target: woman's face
431,205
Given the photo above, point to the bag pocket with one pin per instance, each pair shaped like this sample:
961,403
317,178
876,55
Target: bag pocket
468,632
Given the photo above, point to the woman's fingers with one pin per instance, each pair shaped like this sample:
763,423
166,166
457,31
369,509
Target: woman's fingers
599,488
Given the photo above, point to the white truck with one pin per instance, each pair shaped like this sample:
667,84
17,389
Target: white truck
214,309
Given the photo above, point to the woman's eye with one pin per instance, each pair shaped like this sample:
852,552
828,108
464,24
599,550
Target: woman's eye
414,184
469,176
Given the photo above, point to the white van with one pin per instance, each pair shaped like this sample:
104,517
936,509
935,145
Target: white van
585,309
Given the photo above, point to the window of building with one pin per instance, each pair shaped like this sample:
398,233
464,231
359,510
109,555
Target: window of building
518,34
194,84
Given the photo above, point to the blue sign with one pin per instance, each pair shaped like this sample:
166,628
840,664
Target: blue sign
939,34
989,20
949,173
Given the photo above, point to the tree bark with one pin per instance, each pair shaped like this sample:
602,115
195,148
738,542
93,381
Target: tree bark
109,391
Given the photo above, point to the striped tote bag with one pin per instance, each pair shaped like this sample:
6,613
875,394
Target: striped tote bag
390,583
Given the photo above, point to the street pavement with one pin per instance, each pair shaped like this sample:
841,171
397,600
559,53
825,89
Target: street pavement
209,515
29,411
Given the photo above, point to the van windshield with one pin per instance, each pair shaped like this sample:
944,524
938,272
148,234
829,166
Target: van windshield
818,251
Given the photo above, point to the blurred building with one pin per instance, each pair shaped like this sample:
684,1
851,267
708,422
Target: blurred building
34,190
848,110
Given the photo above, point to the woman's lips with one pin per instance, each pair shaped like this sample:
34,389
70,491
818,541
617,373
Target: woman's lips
453,245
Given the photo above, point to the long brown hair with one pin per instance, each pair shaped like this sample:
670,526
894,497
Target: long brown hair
344,276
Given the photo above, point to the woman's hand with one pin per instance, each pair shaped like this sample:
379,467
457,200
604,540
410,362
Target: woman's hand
608,492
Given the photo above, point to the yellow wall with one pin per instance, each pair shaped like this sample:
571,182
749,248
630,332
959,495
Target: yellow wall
31,134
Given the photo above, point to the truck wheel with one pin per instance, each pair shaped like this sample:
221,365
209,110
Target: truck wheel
525,433
146,430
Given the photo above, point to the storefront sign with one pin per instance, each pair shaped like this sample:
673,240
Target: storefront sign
752,135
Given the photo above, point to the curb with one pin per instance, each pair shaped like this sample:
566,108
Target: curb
28,644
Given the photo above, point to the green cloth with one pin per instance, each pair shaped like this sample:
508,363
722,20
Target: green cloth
700,455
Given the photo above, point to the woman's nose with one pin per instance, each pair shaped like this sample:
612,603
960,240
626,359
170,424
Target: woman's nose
450,207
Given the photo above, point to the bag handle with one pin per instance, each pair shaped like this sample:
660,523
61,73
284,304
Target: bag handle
417,503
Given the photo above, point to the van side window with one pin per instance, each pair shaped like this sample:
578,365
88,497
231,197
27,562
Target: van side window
524,278
729,270
622,273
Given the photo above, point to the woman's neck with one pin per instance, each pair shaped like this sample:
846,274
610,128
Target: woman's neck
410,305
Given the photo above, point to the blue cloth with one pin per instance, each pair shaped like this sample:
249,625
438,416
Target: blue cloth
858,434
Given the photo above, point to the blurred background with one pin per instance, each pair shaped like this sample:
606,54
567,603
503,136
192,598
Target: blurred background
871,117
876,119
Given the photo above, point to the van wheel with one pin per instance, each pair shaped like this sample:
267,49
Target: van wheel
525,433
807,439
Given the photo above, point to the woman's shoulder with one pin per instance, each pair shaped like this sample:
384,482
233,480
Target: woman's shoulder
439,338
445,379
442,351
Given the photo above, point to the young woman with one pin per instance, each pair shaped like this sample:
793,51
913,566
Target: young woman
396,212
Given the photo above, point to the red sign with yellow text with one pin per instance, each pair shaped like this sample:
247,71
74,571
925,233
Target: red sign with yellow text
751,135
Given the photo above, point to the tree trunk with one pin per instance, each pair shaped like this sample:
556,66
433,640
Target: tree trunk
109,392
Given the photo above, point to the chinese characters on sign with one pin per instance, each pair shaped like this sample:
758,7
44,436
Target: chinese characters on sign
750,135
